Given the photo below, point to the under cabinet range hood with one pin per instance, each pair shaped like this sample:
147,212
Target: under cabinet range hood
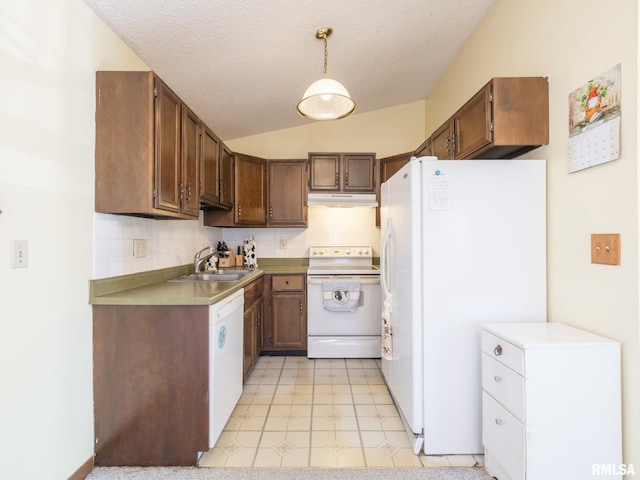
342,200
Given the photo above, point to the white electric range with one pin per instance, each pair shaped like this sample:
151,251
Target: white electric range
343,302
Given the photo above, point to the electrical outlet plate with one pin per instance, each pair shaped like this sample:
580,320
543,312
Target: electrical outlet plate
605,248
139,248
19,254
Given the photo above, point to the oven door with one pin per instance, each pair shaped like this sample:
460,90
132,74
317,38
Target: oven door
364,320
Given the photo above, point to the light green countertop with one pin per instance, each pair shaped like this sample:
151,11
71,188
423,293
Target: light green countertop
153,288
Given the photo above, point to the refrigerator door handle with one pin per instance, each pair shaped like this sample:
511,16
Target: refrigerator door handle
384,259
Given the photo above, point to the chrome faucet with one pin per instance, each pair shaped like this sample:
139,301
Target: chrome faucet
198,259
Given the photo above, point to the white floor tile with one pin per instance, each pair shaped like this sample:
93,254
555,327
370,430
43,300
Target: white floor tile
296,412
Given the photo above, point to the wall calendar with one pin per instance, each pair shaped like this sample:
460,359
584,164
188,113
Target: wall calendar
594,121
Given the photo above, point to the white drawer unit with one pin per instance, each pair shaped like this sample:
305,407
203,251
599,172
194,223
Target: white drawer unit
551,402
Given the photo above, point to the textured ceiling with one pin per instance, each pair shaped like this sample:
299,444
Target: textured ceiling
243,65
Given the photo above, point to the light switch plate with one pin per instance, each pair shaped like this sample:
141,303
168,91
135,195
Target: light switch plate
19,254
605,248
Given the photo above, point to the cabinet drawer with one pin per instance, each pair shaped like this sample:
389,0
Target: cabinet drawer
287,282
503,351
503,384
503,437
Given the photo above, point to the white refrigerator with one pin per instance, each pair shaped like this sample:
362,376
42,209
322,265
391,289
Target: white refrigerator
463,243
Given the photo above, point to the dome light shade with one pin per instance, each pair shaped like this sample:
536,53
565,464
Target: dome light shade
326,99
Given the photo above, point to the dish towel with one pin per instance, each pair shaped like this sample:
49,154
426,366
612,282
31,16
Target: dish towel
341,295
387,329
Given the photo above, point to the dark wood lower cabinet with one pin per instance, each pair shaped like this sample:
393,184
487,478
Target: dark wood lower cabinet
253,313
285,329
151,384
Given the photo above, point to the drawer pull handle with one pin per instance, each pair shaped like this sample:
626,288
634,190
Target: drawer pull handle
498,350
497,378
498,421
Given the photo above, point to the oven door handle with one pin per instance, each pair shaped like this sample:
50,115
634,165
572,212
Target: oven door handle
317,279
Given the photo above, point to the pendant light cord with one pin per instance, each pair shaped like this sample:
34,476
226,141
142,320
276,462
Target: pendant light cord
324,38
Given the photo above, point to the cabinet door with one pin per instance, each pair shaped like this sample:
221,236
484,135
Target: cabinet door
287,193
359,173
252,336
251,195
442,142
210,166
473,124
226,176
190,163
167,167
324,172
288,321
390,165
424,149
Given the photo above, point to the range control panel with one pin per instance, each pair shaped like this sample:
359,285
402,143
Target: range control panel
332,251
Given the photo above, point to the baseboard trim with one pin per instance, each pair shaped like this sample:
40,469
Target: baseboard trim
84,470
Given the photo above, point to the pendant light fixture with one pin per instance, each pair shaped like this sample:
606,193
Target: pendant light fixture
326,99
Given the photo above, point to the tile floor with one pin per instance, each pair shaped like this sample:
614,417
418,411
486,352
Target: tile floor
300,412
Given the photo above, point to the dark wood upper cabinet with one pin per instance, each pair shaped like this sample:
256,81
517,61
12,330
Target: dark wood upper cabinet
210,168
249,195
287,193
190,163
342,172
216,178
145,159
390,165
509,116
226,176
168,114
250,186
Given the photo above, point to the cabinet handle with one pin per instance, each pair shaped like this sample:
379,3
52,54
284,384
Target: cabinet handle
270,212
497,379
239,210
498,350
337,179
498,421
301,306
346,178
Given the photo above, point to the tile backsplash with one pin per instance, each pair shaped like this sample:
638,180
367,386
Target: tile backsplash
174,242
326,226
169,243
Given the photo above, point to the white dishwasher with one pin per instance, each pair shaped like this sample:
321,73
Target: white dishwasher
226,328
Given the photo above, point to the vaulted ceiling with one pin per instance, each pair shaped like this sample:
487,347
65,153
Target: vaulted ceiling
243,65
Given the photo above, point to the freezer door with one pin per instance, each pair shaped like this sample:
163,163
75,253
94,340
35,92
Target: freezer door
402,288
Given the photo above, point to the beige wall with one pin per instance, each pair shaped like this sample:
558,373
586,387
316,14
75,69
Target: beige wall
49,53
570,42
386,132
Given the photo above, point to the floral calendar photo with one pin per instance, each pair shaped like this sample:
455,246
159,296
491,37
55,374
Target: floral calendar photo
594,121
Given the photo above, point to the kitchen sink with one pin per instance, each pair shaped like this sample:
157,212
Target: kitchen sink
226,275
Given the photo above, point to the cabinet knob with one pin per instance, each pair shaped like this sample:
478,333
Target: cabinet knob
270,212
498,421
301,307
498,350
346,178
337,179
239,210
497,379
